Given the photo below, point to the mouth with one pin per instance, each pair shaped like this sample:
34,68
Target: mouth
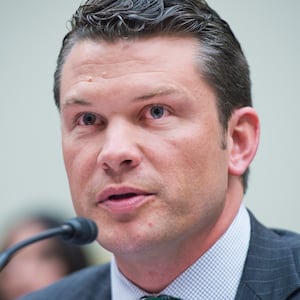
123,200
122,196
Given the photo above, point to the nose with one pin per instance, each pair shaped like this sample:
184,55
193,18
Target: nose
119,152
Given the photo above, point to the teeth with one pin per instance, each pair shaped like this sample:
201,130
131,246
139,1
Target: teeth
122,196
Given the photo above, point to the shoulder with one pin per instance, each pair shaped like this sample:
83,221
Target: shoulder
272,266
272,238
89,283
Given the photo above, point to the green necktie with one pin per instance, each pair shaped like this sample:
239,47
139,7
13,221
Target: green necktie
160,297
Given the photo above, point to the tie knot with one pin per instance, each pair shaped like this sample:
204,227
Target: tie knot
160,297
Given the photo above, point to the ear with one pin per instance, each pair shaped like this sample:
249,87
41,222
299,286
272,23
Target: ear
243,137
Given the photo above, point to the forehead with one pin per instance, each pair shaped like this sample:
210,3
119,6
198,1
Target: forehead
126,54
131,69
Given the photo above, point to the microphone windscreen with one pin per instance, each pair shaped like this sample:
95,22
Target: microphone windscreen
80,231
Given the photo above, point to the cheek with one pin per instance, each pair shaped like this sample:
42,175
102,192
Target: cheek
80,162
77,158
196,165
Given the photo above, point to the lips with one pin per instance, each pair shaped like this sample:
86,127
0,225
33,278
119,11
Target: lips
119,193
122,199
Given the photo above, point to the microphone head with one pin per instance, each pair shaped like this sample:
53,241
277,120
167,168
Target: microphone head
79,231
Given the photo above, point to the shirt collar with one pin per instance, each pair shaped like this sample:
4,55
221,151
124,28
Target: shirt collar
215,275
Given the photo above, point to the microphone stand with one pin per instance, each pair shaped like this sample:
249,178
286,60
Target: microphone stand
6,256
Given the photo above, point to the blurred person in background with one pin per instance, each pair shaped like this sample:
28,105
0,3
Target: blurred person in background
40,264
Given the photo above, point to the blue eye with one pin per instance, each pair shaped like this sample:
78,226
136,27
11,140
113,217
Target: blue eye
157,111
88,119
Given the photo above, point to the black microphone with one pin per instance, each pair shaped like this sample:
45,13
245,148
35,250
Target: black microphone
78,231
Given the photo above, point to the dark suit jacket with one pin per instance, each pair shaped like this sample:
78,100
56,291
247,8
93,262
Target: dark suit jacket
271,272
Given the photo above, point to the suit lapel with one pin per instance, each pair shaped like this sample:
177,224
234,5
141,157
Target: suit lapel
271,266
103,290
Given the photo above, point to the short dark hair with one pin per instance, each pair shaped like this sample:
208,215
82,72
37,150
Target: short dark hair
221,59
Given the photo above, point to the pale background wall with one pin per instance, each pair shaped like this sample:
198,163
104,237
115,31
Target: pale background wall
31,168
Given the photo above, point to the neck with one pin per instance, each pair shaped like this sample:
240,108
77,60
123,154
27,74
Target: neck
155,270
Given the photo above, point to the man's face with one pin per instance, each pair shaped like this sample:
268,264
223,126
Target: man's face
142,143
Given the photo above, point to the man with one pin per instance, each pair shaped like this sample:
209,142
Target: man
158,132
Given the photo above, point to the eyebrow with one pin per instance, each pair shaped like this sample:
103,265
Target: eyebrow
163,91
74,101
